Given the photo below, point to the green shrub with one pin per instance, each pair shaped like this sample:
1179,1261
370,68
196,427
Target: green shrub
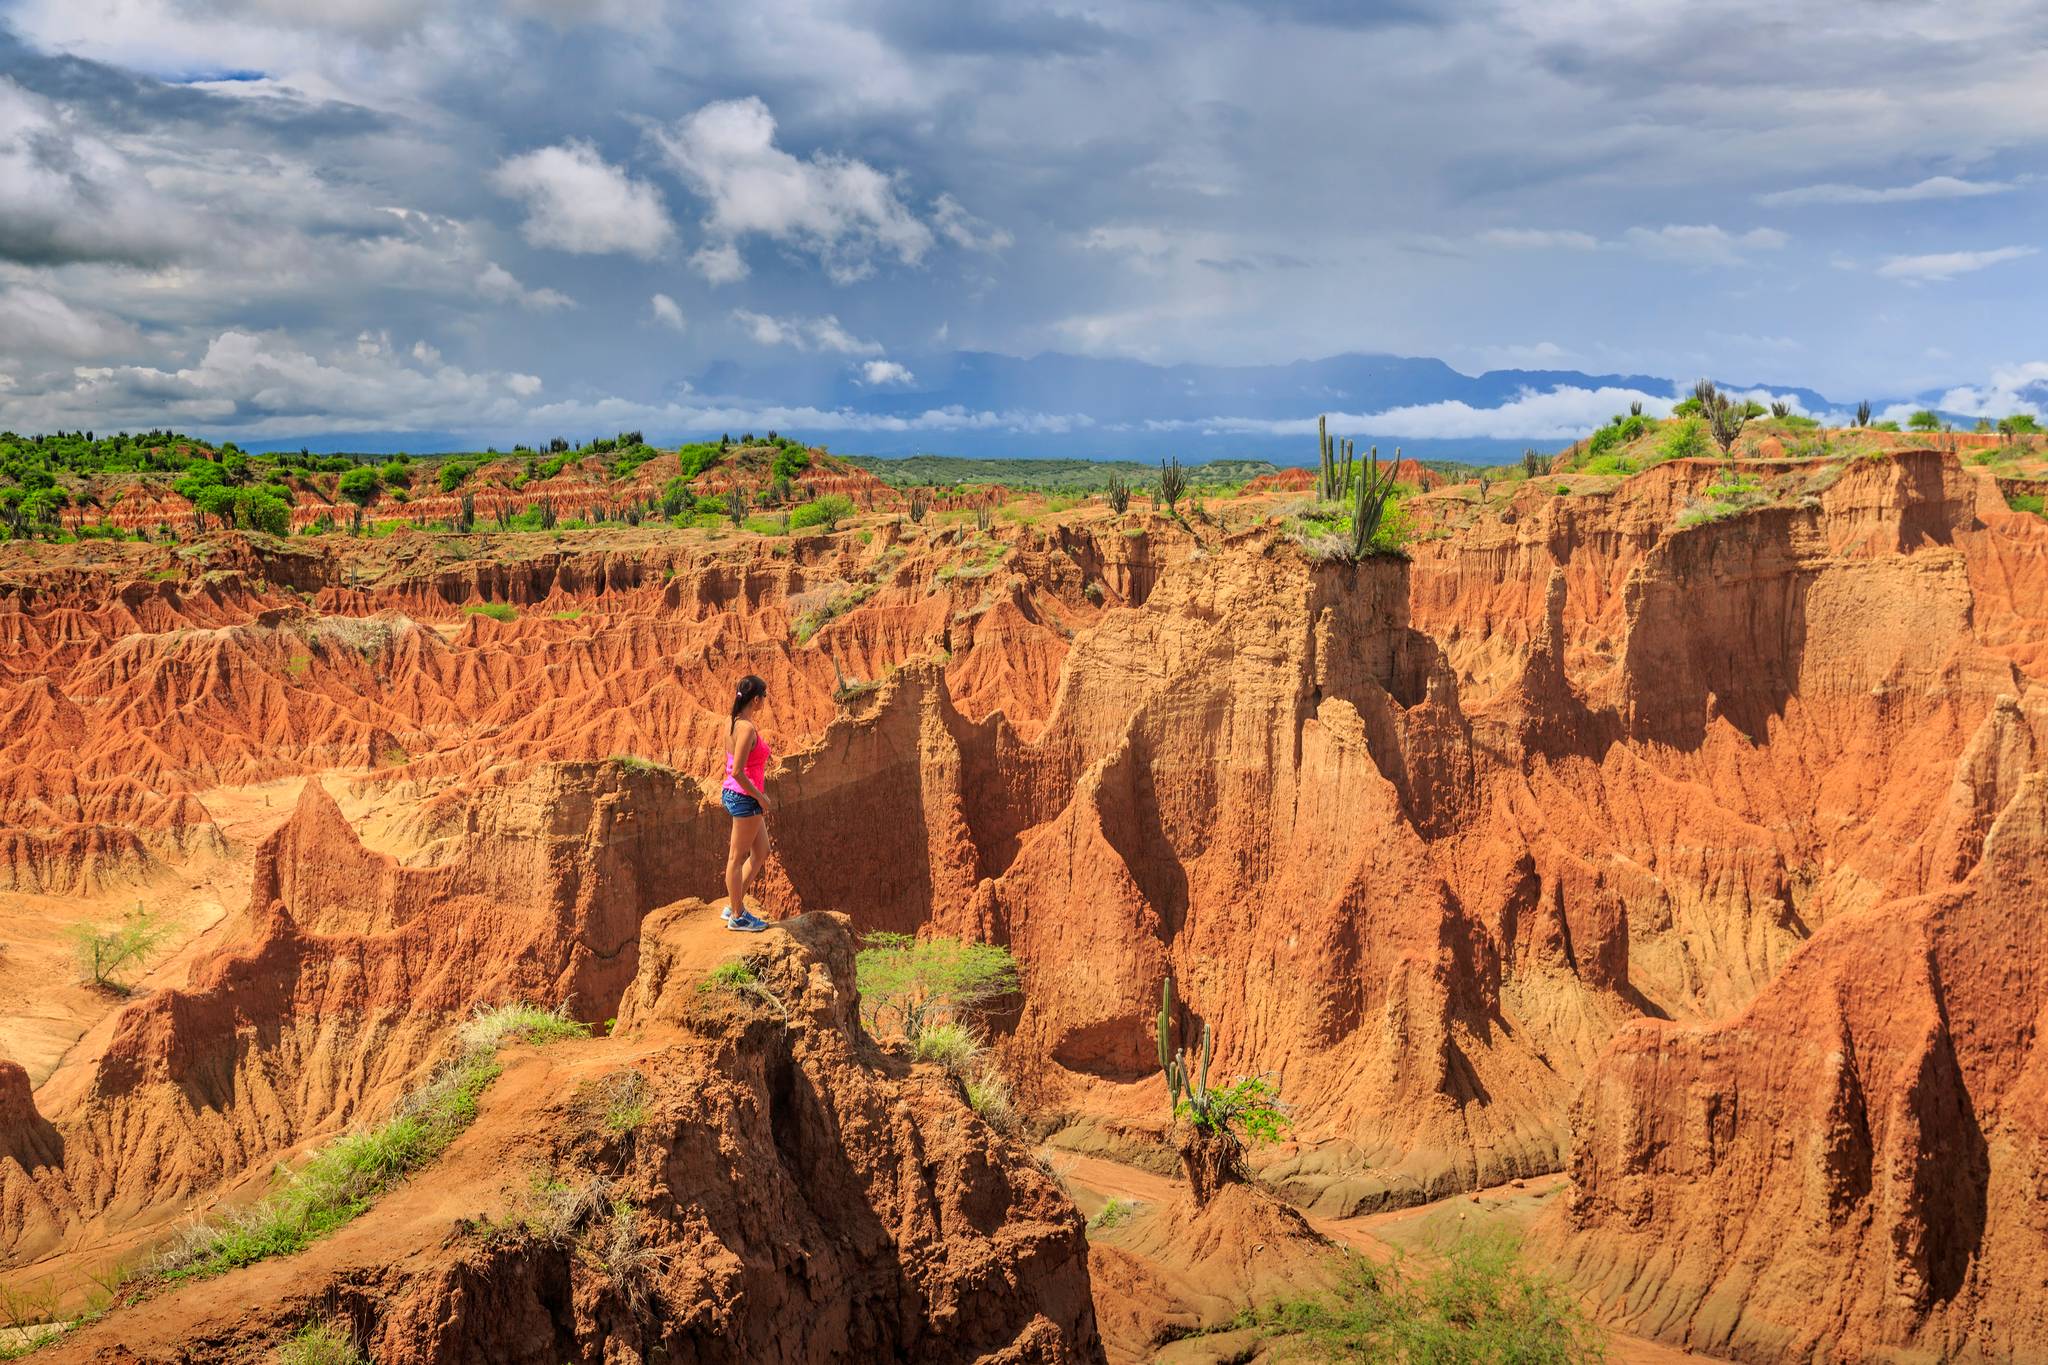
497,611
2025,502
1687,440
925,982
1479,1305
1884,426
825,511
1926,419
104,954
1113,1213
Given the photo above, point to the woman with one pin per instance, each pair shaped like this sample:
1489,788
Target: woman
746,765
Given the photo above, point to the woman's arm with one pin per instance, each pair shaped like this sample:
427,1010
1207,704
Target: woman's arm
743,745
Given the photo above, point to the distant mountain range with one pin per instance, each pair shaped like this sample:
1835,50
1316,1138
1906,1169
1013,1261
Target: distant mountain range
1084,406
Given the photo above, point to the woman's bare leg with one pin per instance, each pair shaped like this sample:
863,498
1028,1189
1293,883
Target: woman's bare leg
757,856
746,833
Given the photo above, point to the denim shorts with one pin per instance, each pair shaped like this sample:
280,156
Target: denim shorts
739,805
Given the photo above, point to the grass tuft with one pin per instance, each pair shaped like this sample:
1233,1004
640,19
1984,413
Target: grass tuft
319,1343
1479,1304
497,611
952,1045
490,1026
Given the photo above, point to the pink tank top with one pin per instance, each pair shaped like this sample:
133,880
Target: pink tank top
757,766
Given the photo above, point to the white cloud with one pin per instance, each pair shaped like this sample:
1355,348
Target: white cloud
2013,389
840,210
500,285
880,372
67,196
1946,265
719,262
576,201
1934,187
964,230
666,312
268,384
822,333
38,325
1561,414
1541,238
1702,244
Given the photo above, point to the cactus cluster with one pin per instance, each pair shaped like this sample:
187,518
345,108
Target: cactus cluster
920,503
1337,465
1173,483
1119,494
1370,490
1175,1064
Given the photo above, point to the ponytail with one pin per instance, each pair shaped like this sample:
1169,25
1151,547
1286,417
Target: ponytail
749,690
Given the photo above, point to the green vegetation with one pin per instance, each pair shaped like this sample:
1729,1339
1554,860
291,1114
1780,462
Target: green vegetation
497,611
1172,486
729,975
952,1045
106,954
825,512
2025,502
1480,1305
1731,495
1686,440
926,982
342,1178
811,622
1926,419
641,766
1113,1213
625,1102
1246,1109
948,472
320,1343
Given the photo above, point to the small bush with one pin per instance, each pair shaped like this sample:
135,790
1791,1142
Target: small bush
641,766
319,1343
1113,1213
105,954
825,512
2026,502
925,982
1480,1304
1686,440
497,611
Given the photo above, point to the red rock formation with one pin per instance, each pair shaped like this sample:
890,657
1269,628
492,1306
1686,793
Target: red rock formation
796,1195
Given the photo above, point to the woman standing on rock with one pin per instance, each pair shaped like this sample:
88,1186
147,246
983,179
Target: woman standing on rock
746,766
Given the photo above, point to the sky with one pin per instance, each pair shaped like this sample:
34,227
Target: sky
449,221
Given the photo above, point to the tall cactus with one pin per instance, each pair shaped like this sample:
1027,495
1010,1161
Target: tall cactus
1369,501
1175,1064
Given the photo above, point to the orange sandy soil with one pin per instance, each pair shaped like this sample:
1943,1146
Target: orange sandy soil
1695,859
